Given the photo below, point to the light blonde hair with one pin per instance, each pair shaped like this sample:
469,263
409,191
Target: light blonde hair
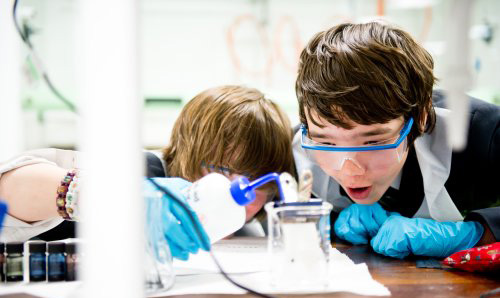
230,126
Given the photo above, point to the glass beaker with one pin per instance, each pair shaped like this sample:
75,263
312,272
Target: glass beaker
159,271
299,244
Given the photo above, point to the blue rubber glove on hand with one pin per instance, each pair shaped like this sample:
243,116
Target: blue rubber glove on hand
400,236
3,211
179,229
359,223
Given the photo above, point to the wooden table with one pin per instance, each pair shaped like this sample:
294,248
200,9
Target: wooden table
404,279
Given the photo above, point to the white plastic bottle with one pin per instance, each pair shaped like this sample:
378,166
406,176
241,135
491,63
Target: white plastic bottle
220,203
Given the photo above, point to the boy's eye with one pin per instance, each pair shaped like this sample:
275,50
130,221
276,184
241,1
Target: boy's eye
379,142
325,143
328,144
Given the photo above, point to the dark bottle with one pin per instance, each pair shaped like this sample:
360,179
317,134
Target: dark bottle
72,261
56,261
2,262
38,261
14,261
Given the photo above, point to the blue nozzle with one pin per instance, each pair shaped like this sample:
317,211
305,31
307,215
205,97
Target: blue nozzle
243,191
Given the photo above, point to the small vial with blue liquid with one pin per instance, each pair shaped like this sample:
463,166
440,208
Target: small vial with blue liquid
56,261
38,261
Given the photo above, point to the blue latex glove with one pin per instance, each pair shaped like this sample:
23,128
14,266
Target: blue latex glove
400,236
3,211
179,229
359,223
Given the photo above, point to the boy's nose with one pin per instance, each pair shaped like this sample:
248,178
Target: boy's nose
350,167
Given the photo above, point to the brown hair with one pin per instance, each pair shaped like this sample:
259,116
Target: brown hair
368,73
233,127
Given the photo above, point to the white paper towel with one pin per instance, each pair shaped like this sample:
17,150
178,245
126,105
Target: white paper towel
247,262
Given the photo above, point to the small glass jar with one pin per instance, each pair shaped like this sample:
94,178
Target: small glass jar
159,273
38,261
14,262
56,261
72,261
299,245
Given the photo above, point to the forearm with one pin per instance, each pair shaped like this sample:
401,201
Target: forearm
31,191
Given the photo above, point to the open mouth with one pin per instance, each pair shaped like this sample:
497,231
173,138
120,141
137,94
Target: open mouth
359,193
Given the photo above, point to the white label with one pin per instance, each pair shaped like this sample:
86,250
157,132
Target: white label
211,199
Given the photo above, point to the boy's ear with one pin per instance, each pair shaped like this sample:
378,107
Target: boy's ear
423,121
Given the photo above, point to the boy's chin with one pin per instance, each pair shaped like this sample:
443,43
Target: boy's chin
367,201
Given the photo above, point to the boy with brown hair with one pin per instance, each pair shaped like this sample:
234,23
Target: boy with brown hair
375,139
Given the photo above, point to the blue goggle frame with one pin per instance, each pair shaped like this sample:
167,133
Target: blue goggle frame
402,135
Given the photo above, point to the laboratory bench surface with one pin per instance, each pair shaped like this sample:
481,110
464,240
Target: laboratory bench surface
404,279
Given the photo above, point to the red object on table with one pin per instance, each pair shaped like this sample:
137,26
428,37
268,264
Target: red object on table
484,258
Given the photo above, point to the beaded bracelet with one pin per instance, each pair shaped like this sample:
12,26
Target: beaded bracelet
72,199
61,194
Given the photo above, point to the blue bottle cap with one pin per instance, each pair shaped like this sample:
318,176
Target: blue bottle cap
38,247
241,192
56,247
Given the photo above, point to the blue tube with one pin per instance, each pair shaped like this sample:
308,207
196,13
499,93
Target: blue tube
265,179
243,191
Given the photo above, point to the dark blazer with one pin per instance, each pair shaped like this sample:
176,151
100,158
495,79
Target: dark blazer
474,181
154,167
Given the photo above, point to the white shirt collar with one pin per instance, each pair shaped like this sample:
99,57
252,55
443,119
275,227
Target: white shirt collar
397,181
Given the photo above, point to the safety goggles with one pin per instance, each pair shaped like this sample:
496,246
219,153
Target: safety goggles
375,156
223,170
